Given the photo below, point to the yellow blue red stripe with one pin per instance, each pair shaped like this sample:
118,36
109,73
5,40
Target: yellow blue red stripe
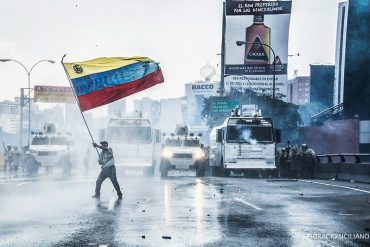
101,64
100,85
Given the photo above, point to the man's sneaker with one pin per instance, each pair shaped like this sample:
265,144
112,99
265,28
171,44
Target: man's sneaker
96,196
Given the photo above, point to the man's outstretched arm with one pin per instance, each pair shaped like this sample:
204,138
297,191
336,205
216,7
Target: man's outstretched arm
98,146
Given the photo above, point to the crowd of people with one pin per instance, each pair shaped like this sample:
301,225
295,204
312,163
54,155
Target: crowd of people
295,162
19,162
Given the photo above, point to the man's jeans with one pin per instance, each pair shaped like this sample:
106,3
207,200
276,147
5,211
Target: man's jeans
108,172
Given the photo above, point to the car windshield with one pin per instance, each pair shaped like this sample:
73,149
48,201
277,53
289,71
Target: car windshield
249,134
58,141
173,143
40,141
191,143
130,134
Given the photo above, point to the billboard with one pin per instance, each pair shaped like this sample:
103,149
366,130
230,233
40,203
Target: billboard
54,94
254,31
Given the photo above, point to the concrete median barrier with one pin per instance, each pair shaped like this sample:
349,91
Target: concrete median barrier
343,171
356,172
326,171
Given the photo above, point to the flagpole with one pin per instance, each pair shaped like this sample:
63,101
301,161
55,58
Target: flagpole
78,103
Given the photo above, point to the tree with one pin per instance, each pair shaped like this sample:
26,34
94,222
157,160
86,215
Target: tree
308,110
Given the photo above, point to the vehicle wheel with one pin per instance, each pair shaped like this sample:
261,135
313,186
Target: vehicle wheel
200,171
163,169
216,171
227,173
251,173
164,173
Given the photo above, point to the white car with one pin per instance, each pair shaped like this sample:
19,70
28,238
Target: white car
53,150
183,153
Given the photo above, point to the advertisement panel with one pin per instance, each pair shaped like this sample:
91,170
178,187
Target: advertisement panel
223,106
54,94
254,31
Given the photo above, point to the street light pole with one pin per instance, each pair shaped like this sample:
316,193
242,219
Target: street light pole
240,43
250,89
222,82
29,95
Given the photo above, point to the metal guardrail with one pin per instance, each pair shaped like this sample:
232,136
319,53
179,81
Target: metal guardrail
342,156
327,114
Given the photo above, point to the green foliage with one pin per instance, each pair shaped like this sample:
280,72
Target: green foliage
308,110
285,116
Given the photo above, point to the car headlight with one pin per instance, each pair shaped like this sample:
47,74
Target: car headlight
33,151
166,153
199,154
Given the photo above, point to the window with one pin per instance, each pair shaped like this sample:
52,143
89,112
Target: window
40,141
173,143
58,141
191,143
130,134
248,134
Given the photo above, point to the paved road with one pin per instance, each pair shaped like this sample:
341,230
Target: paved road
188,210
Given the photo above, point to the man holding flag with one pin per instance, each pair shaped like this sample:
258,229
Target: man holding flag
108,169
104,80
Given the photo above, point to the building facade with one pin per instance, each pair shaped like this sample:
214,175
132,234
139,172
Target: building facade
9,116
340,52
298,90
322,84
357,74
195,94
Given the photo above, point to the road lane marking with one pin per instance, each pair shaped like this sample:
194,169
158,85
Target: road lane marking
112,203
22,184
339,186
247,203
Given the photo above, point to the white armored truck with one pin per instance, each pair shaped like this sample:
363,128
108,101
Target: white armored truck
135,143
243,144
53,149
183,152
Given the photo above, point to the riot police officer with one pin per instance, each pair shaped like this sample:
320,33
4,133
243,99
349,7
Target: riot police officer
295,164
308,161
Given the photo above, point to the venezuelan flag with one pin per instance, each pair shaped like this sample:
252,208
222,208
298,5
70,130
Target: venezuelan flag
104,80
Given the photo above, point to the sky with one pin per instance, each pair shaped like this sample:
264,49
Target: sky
181,35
